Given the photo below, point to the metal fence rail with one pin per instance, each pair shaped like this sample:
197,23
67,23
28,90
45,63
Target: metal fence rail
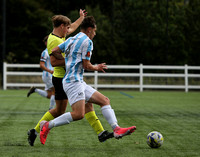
184,73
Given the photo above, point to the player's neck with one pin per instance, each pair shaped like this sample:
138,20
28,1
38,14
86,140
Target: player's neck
57,33
85,32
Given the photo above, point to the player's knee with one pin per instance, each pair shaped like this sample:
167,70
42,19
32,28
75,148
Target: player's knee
62,112
49,94
81,116
78,116
89,107
59,111
106,101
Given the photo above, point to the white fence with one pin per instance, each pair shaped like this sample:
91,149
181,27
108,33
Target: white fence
184,72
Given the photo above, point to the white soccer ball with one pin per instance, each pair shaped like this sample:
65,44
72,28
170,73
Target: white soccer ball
155,139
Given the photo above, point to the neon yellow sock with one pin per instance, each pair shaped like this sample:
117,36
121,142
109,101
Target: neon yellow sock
94,122
47,116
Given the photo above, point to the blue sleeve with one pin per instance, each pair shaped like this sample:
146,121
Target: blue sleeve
62,47
87,50
44,56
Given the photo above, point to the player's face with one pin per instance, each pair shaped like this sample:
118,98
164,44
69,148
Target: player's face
66,30
92,32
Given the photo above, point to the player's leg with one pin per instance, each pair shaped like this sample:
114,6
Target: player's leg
51,96
95,123
61,104
109,115
78,112
39,91
50,91
52,102
43,93
60,97
53,113
32,134
76,97
49,115
92,119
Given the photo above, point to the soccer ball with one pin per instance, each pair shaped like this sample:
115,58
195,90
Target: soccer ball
155,139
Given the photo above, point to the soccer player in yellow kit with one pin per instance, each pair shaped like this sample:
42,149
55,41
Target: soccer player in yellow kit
78,52
61,27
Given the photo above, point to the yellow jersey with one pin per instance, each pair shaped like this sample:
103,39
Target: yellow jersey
52,42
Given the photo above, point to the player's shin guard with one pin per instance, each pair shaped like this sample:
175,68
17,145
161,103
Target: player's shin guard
47,117
109,115
65,118
94,122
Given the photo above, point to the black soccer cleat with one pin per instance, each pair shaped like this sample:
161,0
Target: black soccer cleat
32,90
105,135
31,136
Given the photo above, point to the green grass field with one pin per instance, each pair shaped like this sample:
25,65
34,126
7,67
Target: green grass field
175,114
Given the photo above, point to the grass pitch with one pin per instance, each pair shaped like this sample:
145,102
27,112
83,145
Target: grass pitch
175,114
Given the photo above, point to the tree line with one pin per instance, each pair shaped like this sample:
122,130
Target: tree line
129,32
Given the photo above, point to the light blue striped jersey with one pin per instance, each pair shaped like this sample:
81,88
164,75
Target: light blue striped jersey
76,49
46,59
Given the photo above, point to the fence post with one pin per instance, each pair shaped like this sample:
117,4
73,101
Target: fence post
141,77
95,79
186,78
4,75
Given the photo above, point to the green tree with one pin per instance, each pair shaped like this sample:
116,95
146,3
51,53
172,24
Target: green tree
192,32
27,24
129,32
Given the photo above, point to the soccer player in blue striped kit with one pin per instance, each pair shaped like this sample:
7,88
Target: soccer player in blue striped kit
62,26
78,51
45,65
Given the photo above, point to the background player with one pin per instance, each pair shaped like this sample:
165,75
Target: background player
47,68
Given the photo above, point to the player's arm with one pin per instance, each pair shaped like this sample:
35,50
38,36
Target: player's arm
88,66
42,66
77,23
56,57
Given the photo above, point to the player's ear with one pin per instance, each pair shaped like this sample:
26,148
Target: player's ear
89,29
62,25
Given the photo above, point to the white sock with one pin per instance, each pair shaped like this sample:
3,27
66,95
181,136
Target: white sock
41,92
65,118
109,115
52,102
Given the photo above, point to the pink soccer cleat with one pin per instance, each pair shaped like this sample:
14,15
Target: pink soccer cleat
120,132
44,130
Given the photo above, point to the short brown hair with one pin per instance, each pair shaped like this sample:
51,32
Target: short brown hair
57,20
88,21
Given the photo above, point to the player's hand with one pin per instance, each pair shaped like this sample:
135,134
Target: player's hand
101,67
51,71
82,13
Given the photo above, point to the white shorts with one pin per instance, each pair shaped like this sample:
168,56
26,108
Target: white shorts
48,82
76,91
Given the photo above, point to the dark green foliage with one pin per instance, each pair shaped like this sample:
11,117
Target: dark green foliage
27,24
129,31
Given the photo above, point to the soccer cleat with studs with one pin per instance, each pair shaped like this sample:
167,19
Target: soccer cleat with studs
44,130
31,91
105,135
120,132
32,134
